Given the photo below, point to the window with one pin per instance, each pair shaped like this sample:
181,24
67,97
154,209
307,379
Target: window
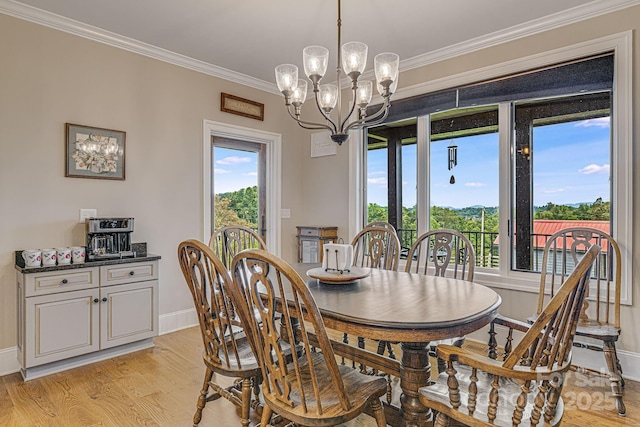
573,112
239,184
561,171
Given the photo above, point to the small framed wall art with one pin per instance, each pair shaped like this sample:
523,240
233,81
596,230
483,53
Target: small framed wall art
242,107
93,152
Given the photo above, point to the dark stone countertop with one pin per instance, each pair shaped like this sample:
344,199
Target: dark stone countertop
142,257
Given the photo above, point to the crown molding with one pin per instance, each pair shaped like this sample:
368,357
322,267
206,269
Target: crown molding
51,20
557,20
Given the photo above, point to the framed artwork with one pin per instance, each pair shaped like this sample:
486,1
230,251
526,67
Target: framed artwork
242,107
94,152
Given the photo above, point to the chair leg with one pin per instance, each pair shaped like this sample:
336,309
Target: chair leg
614,377
202,399
378,413
246,401
618,365
441,420
266,416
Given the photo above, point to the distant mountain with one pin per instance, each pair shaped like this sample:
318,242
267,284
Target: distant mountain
476,211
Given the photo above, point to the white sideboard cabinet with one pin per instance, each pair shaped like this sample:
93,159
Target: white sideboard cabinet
69,317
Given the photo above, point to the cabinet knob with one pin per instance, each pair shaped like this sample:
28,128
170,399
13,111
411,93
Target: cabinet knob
96,300
131,273
64,281
104,299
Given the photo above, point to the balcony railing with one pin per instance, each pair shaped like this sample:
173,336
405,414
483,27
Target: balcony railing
488,257
484,243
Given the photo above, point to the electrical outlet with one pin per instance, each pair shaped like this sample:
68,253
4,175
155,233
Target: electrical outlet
87,213
285,213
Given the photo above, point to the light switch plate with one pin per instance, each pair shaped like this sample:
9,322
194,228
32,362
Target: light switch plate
285,213
87,213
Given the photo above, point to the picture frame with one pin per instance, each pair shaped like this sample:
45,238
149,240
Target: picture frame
93,152
242,107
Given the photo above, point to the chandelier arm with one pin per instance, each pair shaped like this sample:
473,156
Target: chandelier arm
384,108
333,127
377,121
314,126
353,107
309,125
378,117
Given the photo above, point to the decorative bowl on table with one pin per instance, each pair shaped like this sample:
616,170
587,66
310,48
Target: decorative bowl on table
338,277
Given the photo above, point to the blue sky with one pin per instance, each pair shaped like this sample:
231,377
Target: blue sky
570,165
233,170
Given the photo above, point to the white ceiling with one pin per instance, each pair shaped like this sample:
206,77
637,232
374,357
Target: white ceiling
251,37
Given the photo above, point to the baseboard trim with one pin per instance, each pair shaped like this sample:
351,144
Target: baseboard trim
177,320
9,361
85,359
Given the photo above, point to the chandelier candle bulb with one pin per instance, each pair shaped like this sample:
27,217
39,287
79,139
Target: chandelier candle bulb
364,94
315,59
299,94
287,79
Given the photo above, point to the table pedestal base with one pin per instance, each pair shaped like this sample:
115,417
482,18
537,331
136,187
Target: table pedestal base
415,372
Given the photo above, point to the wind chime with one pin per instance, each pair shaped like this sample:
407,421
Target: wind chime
453,160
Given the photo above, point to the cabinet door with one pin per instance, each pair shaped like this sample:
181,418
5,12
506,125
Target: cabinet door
61,325
128,313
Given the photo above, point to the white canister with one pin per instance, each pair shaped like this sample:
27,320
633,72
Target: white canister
32,257
63,255
48,257
78,254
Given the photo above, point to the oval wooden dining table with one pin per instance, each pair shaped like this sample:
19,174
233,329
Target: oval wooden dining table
412,309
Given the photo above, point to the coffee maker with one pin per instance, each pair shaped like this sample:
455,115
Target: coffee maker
108,238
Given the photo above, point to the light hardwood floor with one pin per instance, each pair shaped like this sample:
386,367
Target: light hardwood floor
159,387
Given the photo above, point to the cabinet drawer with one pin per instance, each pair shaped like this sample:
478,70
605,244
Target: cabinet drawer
60,281
326,232
128,273
308,231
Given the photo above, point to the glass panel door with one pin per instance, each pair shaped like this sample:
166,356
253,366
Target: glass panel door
239,191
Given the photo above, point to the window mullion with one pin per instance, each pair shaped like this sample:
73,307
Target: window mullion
423,178
505,132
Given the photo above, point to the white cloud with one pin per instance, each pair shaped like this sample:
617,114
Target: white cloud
219,171
233,160
592,168
252,174
601,122
377,173
377,181
553,191
475,184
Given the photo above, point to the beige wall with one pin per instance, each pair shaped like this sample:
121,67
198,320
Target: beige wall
334,186
48,78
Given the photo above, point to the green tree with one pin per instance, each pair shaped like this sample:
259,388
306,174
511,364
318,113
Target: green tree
596,211
244,203
376,212
224,215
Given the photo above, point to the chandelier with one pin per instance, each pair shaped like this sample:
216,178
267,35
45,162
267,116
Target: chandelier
327,96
